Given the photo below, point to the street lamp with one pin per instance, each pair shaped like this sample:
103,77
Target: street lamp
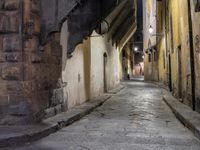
150,29
136,49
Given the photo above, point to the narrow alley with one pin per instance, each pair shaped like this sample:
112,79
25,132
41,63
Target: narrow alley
100,74
135,119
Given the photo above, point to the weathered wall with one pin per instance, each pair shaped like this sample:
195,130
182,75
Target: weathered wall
126,62
180,50
73,71
84,72
37,79
196,39
162,48
99,47
29,73
150,67
174,44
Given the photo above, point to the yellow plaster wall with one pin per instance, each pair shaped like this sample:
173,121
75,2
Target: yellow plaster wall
196,36
83,73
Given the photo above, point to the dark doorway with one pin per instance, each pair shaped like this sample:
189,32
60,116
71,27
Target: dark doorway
179,72
104,72
170,74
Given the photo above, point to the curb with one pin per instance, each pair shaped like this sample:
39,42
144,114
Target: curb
55,123
117,90
184,114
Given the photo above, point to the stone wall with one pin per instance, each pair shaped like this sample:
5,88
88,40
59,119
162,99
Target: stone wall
174,45
84,72
40,81
150,65
29,73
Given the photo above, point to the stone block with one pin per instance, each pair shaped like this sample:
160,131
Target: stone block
43,99
15,87
11,43
22,107
9,21
3,88
43,85
11,72
10,57
13,57
1,43
35,6
4,22
31,45
36,20
2,58
27,88
58,97
56,49
32,72
28,73
4,100
11,4
36,58
1,4
54,60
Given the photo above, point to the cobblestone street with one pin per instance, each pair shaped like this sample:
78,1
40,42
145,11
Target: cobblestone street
135,119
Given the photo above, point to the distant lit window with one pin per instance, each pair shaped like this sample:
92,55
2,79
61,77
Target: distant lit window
197,5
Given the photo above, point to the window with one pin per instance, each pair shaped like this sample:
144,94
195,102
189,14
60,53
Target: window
149,57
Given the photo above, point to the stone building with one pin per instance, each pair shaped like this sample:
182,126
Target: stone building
174,26
150,61
138,64
56,54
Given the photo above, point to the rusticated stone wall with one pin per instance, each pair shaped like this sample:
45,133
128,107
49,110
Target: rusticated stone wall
29,73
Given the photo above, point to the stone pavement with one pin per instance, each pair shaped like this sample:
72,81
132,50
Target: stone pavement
190,118
135,119
16,135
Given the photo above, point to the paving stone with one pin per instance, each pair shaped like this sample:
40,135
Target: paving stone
135,119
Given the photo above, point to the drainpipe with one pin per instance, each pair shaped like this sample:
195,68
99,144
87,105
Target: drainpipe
192,63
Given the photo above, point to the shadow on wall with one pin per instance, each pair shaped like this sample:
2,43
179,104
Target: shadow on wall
75,70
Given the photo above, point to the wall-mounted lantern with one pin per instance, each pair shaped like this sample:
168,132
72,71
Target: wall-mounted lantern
150,29
103,27
136,49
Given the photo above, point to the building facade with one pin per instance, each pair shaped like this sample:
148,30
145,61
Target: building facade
175,30
58,54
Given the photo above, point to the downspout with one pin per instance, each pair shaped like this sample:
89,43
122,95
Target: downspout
192,63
